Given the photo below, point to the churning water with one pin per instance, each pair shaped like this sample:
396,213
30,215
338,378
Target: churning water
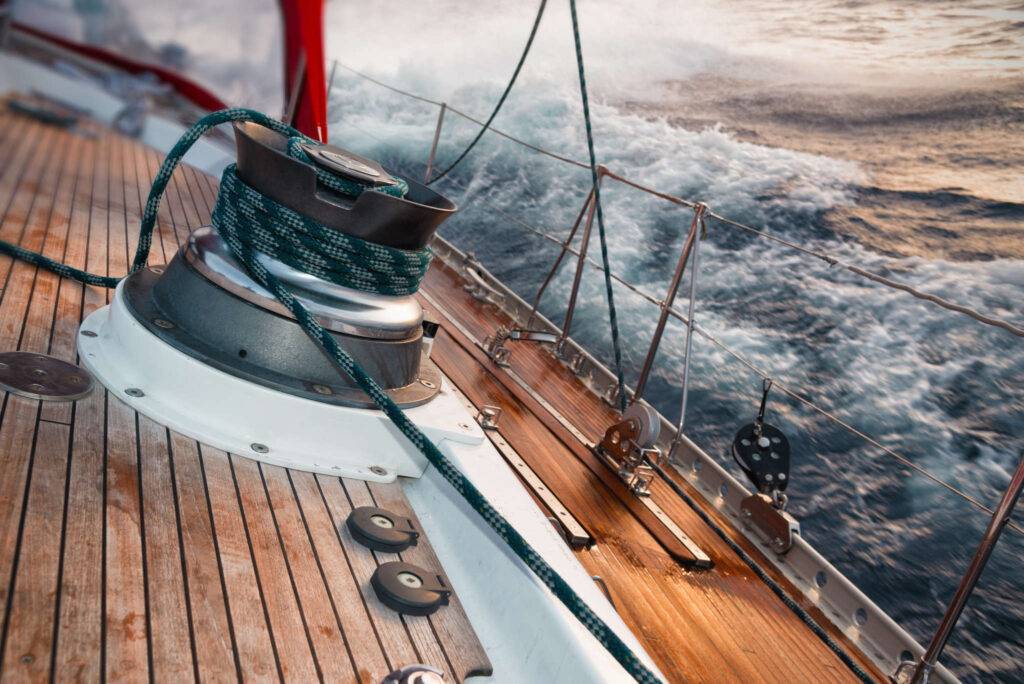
889,134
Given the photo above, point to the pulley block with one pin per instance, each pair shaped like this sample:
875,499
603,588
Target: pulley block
761,450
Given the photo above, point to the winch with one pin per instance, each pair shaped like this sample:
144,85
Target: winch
200,346
205,304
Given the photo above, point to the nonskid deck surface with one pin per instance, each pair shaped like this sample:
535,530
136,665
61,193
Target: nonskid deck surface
130,552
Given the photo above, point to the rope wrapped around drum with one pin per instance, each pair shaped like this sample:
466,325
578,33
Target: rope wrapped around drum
251,224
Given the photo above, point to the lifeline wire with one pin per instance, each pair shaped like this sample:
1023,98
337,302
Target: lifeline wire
721,345
832,261
238,228
501,100
612,319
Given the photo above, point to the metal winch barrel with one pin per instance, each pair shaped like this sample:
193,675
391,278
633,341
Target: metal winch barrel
205,304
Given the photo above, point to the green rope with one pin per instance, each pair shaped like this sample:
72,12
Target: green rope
274,229
612,318
302,243
337,183
501,100
243,228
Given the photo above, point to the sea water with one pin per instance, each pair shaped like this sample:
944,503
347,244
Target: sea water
887,134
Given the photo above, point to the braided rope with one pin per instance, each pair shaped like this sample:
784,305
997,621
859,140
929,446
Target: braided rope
256,224
612,318
501,100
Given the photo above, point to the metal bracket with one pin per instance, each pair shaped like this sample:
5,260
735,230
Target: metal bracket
488,417
542,336
611,395
499,353
496,349
774,524
480,289
626,450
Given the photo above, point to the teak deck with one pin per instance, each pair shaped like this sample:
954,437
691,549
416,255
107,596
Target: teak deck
717,625
130,552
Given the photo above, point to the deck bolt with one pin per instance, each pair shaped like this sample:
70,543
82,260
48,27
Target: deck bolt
134,392
27,659
428,384
377,470
163,323
259,448
322,389
88,333
465,426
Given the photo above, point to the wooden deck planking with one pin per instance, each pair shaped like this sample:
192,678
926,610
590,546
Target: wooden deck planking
211,630
17,432
30,622
170,620
391,632
224,549
256,651
164,558
322,623
730,598
366,652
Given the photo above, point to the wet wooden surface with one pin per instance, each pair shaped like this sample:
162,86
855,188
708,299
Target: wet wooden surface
131,552
718,625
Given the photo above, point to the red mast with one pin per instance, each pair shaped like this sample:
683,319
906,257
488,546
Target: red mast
304,61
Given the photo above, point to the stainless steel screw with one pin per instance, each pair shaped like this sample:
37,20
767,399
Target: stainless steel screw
259,448
134,392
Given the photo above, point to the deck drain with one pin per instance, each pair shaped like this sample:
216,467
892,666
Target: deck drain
409,589
39,376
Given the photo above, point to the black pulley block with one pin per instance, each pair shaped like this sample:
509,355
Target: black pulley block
409,589
762,452
382,530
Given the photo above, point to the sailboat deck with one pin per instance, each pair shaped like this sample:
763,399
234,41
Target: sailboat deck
715,625
130,552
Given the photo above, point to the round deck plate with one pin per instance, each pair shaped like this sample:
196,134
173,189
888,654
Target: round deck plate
39,376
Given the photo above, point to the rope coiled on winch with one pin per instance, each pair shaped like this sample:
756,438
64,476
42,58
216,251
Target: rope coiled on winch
256,224
265,226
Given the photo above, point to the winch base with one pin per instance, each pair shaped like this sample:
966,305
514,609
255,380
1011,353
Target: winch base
248,419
